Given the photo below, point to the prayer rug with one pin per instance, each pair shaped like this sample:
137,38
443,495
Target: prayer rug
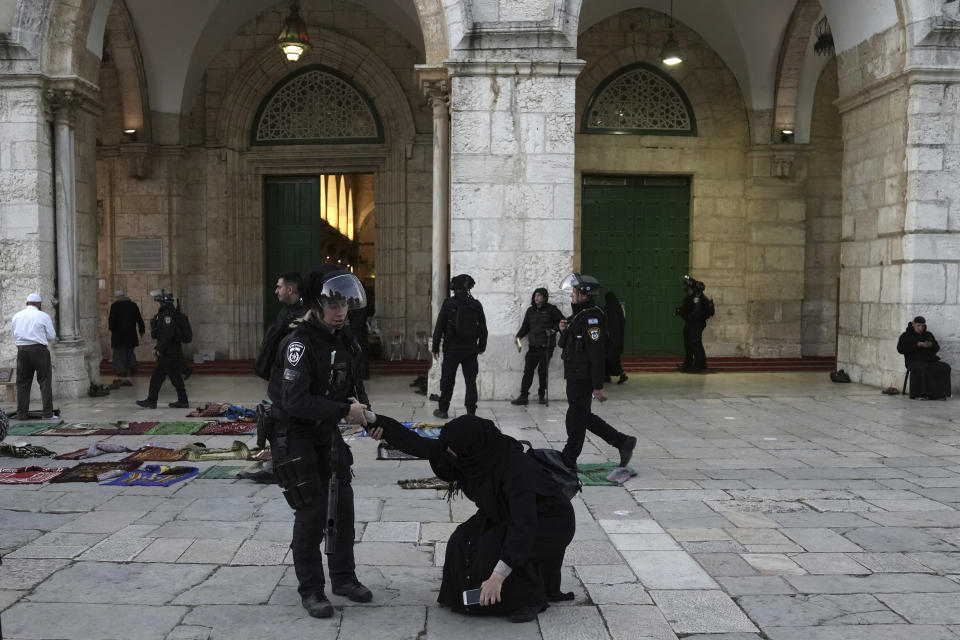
214,428
209,410
78,429
156,453
25,451
132,429
221,472
386,452
238,451
94,450
154,475
595,474
174,428
88,471
28,428
29,475
424,483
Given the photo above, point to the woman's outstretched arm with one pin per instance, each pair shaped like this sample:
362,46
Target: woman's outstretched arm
407,440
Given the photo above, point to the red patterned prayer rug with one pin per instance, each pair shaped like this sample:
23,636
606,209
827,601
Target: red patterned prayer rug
132,429
215,428
88,471
156,453
29,475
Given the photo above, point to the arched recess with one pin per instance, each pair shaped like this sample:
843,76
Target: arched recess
792,55
122,54
244,167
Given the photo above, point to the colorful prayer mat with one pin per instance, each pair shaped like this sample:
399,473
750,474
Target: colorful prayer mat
386,452
78,429
424,483
94,450
132,429
29,475
213,428
29,428
221,472
209,410
88,471
154,475
174,428
595,474
156,453
194,453
25,451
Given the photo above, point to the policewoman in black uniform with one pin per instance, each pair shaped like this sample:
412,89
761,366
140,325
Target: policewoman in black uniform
170,328
322,383
582,338
462,328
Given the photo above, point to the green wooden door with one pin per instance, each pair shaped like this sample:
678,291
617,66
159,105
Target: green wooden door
636,241
292,229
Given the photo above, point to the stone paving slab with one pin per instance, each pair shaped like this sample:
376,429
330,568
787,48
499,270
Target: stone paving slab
694,611
43,621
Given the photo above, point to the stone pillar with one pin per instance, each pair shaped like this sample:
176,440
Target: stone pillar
511,190
70,371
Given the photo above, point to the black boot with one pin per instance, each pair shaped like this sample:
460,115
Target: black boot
147,404
354,590
626,450
179,404
520,400
623,378
440,413
317,605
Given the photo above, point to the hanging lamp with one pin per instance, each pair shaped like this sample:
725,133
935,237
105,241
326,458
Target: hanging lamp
670,54
293,39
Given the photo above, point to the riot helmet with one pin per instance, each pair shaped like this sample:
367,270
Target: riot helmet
331,282
162,296
462,282
693,284
587,285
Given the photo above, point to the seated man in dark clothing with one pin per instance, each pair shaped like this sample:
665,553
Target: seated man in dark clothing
929,376
512,548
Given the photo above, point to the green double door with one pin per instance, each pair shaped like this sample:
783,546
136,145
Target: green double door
292,233
635,239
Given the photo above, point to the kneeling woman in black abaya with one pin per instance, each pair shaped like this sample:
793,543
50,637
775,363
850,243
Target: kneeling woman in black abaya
512,547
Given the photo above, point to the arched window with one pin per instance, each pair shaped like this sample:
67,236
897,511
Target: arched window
317,105
639,99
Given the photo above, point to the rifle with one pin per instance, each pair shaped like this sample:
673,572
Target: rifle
546,370
333,496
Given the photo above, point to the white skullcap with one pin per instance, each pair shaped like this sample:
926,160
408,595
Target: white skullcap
34,297
118,293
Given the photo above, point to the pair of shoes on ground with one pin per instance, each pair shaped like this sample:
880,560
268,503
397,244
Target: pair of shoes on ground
179,404
318,606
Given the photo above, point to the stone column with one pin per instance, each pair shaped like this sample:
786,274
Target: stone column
435,85
511,190
70,371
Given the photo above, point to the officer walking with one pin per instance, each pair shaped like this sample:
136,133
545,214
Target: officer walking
322,383
539,327
462,327
582,338
32,332
695,309
170,328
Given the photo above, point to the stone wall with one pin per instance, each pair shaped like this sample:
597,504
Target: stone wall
823,201
715,159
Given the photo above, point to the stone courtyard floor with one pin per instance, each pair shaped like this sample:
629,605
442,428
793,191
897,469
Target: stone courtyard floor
777,506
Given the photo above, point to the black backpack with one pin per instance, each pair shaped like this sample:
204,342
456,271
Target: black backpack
184,331
267,355
708,303
553,462
465,324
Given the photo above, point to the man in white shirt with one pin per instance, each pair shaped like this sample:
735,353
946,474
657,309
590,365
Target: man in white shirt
32,332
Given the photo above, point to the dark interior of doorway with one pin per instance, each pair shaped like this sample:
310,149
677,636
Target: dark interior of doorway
312,219
635,239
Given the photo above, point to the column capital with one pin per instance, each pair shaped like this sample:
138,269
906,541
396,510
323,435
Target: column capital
435,84
62,104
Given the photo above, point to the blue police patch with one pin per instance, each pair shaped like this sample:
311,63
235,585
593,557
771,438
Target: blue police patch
295,352
593,320
595,334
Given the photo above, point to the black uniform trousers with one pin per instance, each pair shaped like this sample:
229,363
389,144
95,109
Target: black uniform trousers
537,358
580,420
448,374
168,364
695,358
34,358
310,521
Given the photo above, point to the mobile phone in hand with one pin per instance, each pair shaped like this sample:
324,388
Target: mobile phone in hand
471,597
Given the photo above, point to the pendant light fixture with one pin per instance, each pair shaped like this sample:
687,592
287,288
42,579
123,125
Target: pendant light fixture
670,54
293,39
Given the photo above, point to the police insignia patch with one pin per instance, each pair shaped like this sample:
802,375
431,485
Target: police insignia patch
294,352
168,320
595,334
593,320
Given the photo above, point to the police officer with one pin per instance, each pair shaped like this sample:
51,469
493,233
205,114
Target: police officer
321,383
695,309
170,328
462,327
539,327
582,339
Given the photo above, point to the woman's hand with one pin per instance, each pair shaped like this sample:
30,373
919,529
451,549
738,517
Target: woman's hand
490,589
376,433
